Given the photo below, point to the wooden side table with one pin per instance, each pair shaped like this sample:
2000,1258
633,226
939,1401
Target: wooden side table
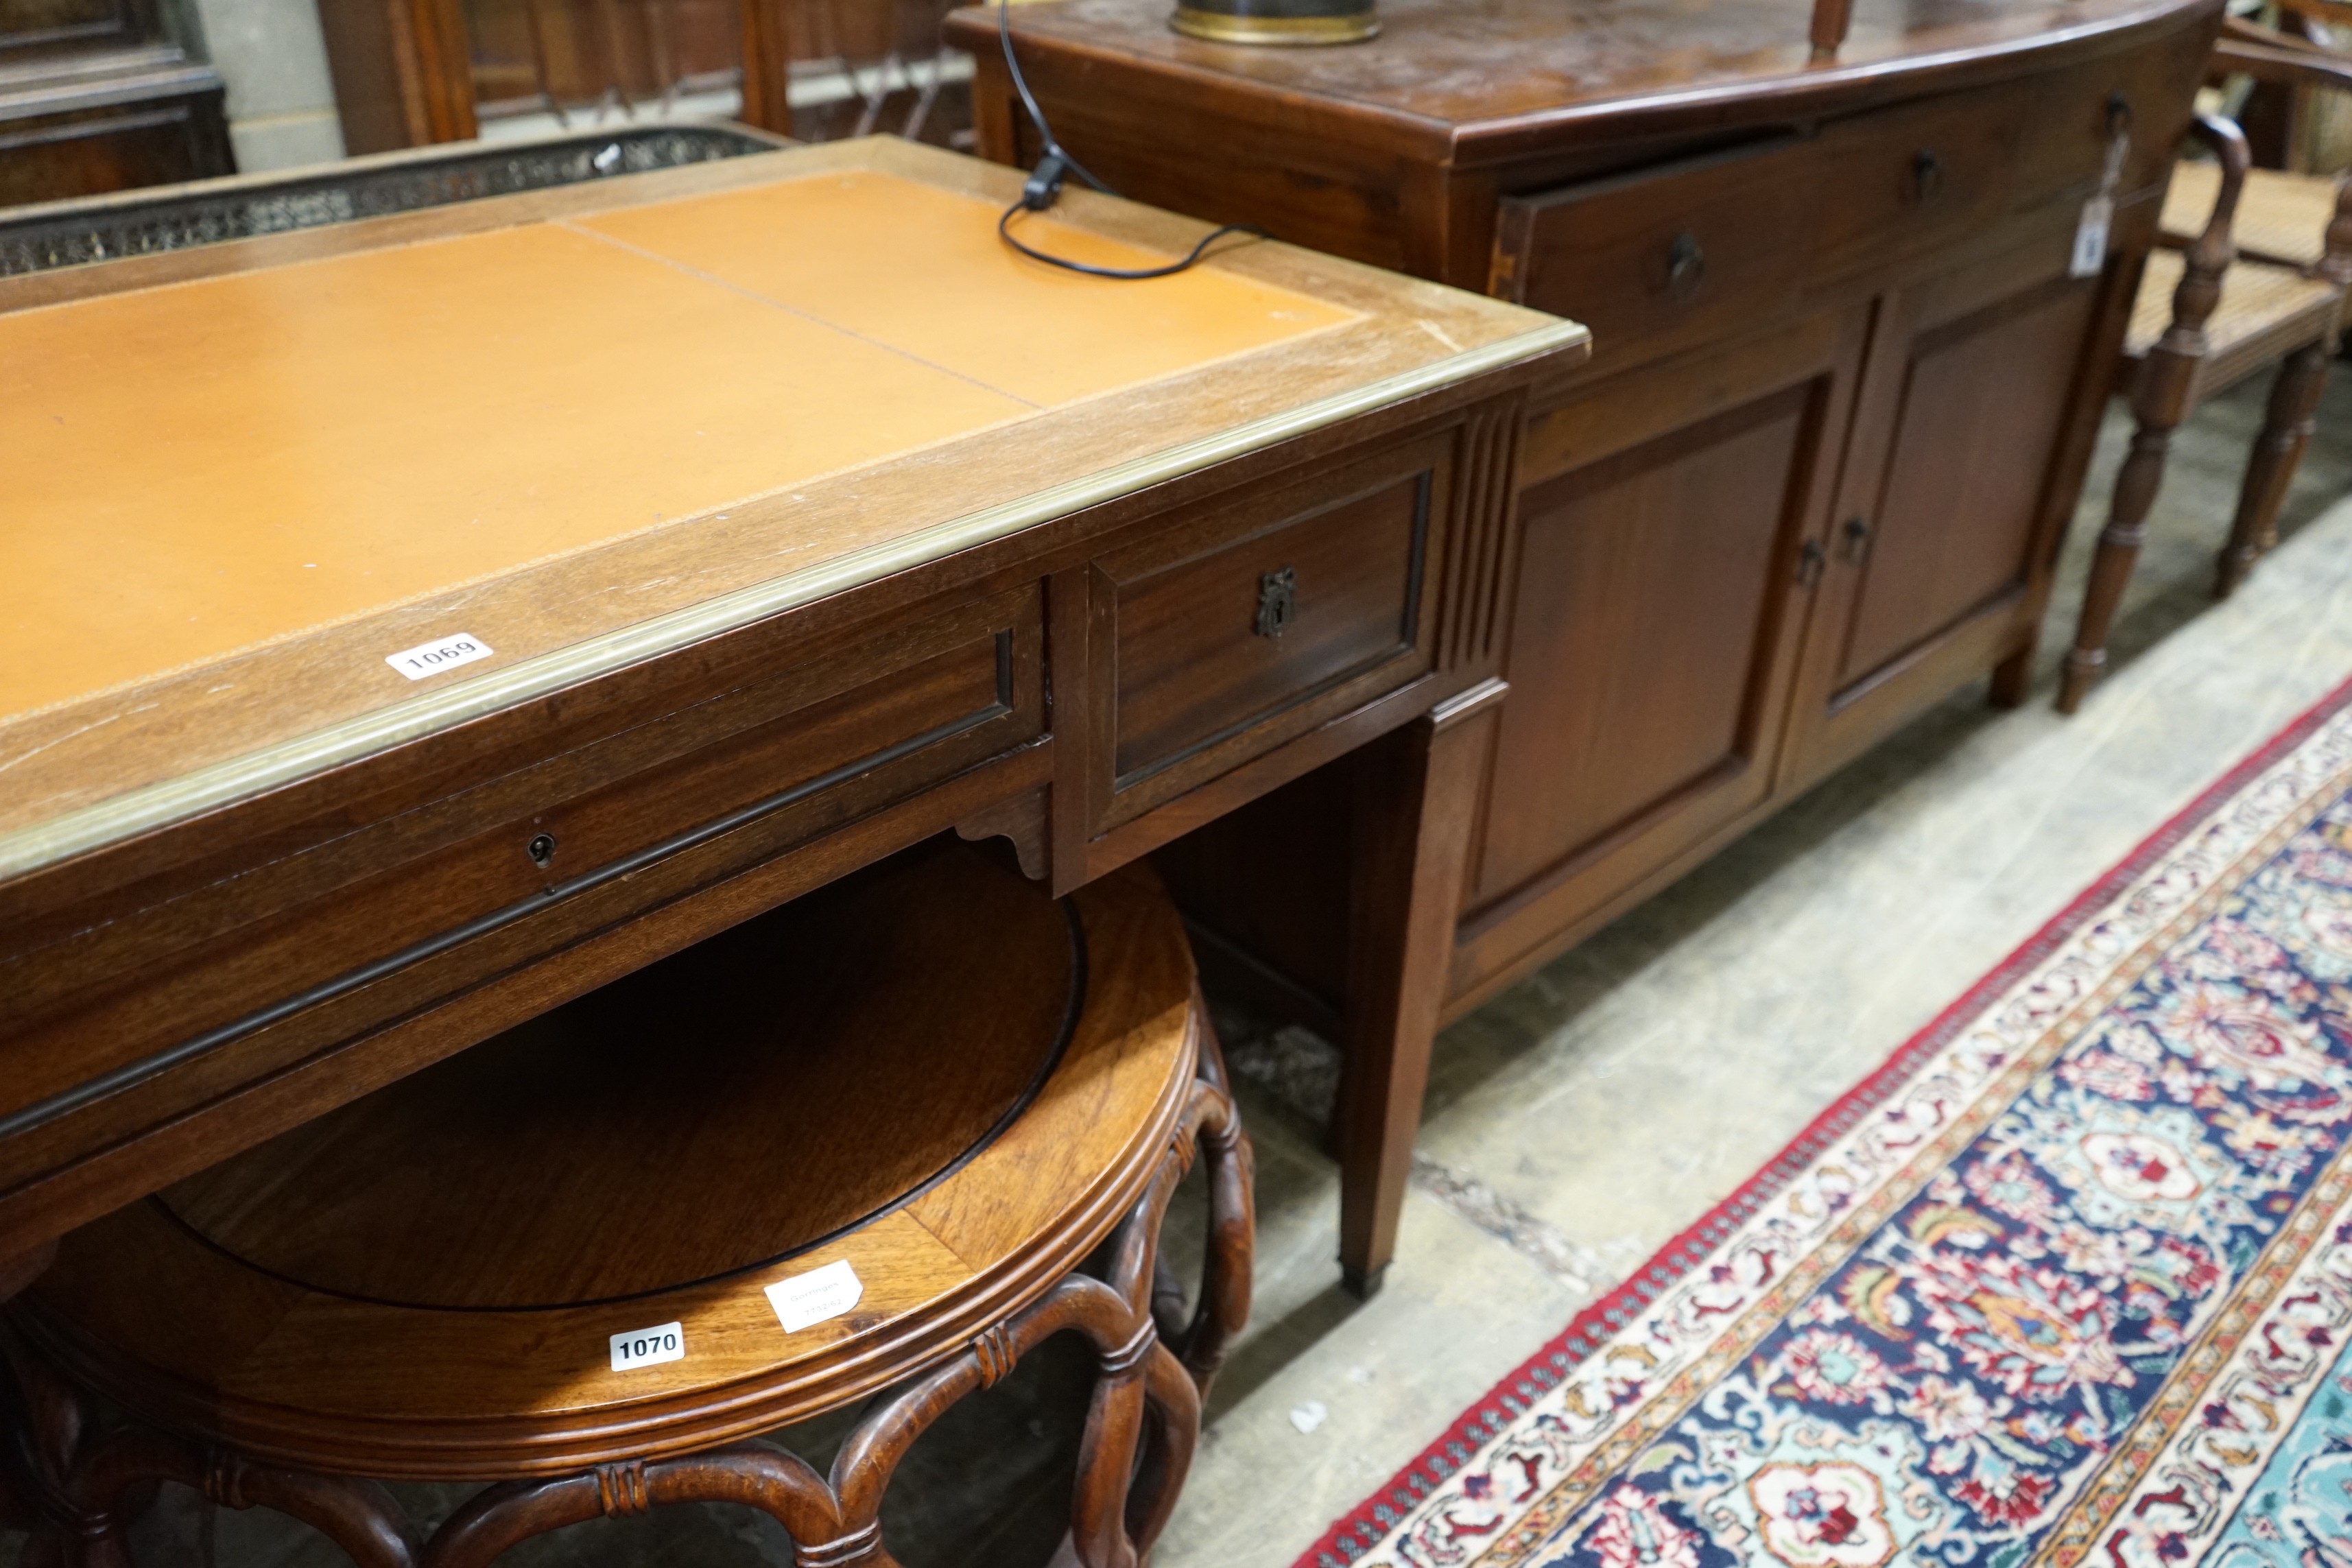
588,1260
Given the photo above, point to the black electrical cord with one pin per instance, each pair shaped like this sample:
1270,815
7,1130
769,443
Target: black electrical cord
1054,165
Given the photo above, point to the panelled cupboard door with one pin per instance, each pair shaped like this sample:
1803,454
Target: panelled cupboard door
1664,526
1944,525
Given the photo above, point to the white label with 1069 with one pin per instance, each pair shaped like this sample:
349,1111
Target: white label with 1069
442,653
648,1347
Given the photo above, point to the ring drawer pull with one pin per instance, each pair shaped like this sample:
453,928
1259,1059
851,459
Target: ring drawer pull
1277,602
1926,175
1685,266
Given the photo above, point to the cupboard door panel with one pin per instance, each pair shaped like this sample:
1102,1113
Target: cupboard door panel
1980,395
1983,402
1644,590
1665,560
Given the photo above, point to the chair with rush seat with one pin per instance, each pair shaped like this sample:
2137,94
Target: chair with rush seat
880,1142
2263,281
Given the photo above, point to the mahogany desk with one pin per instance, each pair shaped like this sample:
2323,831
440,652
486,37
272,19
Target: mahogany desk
414,623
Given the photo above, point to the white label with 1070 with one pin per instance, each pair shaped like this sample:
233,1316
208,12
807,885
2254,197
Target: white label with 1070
648,1347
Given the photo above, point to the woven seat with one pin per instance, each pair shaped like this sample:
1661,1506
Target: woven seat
866,1138
2260,303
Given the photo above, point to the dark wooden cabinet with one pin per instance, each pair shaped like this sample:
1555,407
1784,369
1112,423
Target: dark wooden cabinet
1657,620
1842,395
1935,566
99,96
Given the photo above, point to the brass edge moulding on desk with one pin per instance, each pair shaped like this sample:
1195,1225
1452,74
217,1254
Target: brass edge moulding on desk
171,800
238,769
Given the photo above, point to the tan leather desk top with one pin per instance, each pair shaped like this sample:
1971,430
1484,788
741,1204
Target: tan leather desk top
240,477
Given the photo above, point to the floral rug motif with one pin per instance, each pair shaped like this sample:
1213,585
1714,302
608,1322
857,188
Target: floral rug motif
2068,1281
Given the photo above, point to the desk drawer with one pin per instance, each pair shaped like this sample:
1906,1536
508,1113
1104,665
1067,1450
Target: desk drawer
702,780
1666,257
1254,622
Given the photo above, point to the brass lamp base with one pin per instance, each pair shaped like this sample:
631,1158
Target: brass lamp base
1291,23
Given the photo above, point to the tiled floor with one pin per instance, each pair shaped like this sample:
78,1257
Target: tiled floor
1580,1120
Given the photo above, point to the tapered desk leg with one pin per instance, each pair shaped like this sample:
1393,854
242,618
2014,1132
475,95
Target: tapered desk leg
1416,800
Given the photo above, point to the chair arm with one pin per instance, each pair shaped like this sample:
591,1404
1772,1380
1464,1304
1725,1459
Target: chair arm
2292,60
2289,60
2214,250
2333,12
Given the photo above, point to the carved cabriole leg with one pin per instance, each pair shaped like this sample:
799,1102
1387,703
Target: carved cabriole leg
1171,1409
2166,391
870,1455
1108,1449
1224,1304
779,1485
2278,451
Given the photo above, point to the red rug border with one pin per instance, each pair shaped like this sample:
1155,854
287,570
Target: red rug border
1485,1419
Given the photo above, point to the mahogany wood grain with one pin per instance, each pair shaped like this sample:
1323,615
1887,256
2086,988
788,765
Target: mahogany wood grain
742,1118
1412,842
1937,545
221,975
695,1074
737,1115
1824,289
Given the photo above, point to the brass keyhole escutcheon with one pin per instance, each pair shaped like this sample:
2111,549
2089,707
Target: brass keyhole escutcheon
1277,602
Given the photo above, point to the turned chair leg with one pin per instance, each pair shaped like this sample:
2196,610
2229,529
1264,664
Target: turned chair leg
2166,391
2286,431
2111,568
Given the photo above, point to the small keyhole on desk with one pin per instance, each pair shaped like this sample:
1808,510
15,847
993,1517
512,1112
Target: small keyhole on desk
542,848
1277,602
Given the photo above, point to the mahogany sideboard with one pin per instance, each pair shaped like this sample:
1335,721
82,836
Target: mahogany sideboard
1843,389
454,610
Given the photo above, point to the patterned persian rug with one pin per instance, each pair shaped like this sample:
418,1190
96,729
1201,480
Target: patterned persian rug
2067,1282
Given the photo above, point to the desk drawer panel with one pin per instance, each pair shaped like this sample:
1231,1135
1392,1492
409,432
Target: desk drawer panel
768,762
1215,643
1667,257
1212,645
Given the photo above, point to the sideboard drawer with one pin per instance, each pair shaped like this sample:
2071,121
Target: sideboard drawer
2076,113
1667,257
1904,180
1263,618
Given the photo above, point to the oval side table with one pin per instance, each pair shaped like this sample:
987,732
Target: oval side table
861,1143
